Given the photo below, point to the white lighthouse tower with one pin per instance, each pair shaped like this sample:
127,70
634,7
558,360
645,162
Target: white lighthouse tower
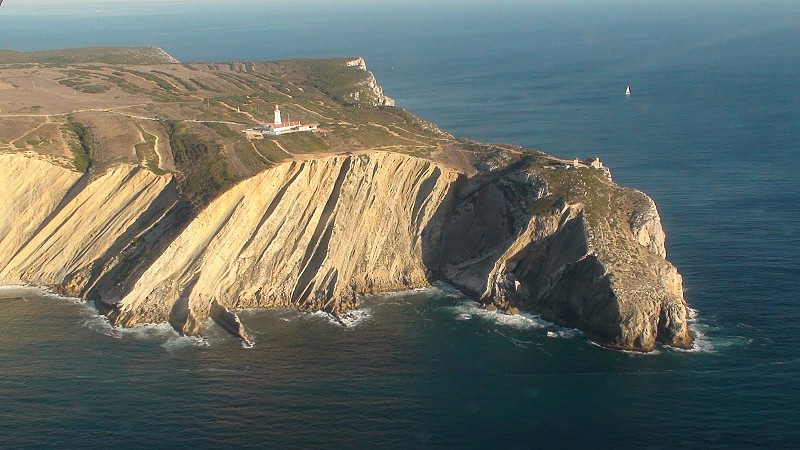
277,120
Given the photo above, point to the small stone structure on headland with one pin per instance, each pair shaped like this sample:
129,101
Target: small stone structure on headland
594,163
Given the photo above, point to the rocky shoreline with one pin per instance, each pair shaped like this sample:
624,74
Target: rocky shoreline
121,195
319,233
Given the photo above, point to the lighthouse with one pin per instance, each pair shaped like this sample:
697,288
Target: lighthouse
278,127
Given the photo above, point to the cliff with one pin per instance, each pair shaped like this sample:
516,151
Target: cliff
571,245
73,226
315,234
369,90
309,234
134,186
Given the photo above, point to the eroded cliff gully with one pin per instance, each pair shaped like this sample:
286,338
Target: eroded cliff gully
317,234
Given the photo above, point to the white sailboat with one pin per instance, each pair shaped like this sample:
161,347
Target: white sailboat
628,91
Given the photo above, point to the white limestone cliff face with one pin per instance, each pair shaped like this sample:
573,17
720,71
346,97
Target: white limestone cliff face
358,62
370,90
376,91
309,234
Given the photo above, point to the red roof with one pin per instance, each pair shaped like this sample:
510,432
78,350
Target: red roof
285,124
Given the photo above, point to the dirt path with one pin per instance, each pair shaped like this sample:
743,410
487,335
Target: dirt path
312,112
396,134
276,91
283,149
158,154
110,110
238,110
37,127
143,139
260,155
418,135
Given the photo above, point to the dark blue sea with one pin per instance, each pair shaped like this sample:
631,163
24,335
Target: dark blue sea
711,132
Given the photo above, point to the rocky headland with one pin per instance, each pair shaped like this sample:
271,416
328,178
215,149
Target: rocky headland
144,196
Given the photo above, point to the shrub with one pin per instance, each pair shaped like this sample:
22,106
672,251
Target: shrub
82,146
205,171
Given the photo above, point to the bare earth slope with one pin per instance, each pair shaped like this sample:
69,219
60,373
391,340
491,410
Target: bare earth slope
179,217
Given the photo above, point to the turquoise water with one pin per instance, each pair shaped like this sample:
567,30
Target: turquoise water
711,133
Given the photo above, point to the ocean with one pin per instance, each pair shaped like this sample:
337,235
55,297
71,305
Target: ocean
711,132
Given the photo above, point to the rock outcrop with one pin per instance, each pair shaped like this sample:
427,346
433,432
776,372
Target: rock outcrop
230,322
521,234
370,90
568,244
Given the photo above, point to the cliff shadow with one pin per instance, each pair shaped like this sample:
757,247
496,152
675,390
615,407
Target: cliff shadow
477,222
114,274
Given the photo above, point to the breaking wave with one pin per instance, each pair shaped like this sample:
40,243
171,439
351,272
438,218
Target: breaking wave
161,333
470,310
349,319
706,338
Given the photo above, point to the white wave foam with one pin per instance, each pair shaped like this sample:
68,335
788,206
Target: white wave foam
24,290
91,319
355,317
177,342
437,289
707,338
786,362
653,352
517,342
98,322
564,333
170,339
396,294
349,319
702,343
522,321
448,290
467,310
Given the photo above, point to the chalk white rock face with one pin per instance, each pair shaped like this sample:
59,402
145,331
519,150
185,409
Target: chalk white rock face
372,89
306,233
86,226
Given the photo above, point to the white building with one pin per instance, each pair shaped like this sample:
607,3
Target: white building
278,127
595,163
